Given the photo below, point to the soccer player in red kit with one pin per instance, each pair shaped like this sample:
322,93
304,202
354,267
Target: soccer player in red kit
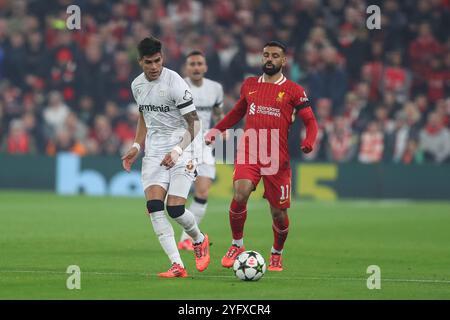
270,103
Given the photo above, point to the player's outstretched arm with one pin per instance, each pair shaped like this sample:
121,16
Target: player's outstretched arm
193,128
232,118
308,118
131,155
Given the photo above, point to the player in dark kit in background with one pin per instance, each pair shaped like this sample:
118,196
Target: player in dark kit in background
270,103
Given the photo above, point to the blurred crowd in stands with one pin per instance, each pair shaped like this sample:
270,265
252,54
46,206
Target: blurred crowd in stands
378,95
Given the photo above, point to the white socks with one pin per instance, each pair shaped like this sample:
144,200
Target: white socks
273,250
239,242
166,236
199,210
187,221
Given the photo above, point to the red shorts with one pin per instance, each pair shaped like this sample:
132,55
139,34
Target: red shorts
277,188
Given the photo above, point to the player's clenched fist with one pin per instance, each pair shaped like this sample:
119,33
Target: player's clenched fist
210,136
306,147
130,157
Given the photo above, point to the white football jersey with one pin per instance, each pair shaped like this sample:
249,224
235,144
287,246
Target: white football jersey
163,103
206,97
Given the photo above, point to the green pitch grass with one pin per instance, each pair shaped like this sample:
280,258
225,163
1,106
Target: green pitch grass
329,248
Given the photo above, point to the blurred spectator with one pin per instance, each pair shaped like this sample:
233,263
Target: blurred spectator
324,114
325,124
86,110
63,73
55,113
32,127
247,62
113,112
330,81
438,78
352,112
64,141
406,129
36,61
412,154
93,73
342,143
18,141
102,134
387,128
76,129
354,46
435,139
121,78
372,144
396,79
15,57
125,129
372,70
421,51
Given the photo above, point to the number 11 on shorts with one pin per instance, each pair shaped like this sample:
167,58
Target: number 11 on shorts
284,192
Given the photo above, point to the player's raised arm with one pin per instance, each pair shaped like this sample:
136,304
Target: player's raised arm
232,118
131,155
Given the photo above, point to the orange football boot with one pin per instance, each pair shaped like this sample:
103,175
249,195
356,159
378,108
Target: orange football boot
175,271
185,245
275,262
231,255
201,252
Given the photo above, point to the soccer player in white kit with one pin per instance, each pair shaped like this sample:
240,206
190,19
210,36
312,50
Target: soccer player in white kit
208,99
169,126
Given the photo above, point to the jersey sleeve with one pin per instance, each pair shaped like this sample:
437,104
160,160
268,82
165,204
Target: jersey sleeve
181,95
219,94
301,100
134,91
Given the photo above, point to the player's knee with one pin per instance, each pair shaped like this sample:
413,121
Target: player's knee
155,206
242,192
175,211
241,195
278,214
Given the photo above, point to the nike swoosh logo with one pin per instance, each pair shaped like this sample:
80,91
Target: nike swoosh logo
252,92
284,201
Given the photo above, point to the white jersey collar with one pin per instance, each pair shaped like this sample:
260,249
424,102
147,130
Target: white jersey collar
279,82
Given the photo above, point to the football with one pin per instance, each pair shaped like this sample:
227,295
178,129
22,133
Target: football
249,266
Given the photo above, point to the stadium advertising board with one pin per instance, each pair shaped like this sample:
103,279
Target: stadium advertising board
68,174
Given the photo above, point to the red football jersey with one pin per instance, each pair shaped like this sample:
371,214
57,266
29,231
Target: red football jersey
270,109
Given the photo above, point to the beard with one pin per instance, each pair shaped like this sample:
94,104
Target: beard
271,71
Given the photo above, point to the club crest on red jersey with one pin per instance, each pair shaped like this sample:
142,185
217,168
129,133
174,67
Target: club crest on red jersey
280,96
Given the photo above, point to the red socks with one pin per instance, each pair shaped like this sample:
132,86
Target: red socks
280,232
238,215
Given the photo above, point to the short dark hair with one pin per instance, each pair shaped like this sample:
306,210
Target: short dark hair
195,53
275,43
149,46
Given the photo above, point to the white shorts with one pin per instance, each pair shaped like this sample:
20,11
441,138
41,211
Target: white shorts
207,163
177,180
206,170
